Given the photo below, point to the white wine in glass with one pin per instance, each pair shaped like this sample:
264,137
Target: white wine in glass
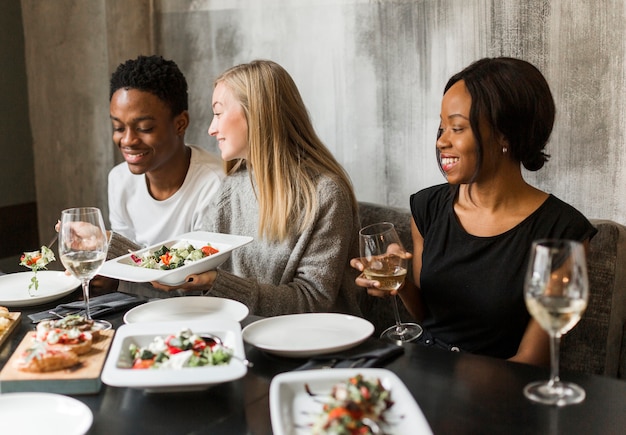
384,261
83,245
556,294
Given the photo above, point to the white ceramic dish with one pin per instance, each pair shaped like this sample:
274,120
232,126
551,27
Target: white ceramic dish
305,335
293,410
186,308
52,285
115,374
43,413
124,268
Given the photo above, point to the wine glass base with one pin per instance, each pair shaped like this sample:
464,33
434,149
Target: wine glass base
559,393
101,325
402,333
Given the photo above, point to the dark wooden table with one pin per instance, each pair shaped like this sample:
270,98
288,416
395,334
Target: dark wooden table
458,393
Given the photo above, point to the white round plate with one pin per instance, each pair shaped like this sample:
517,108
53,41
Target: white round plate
43,413
186,308
52,285
306,335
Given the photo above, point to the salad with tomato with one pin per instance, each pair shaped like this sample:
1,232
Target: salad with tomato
354,407
177,255
37,260
181,350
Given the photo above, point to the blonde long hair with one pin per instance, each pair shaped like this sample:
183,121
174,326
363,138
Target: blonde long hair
285,154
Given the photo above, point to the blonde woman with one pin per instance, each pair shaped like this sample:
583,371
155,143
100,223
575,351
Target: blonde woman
284,188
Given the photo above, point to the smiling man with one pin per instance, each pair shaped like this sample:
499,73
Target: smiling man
165,186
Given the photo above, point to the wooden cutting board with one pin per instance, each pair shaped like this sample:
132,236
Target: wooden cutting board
14,320
81,379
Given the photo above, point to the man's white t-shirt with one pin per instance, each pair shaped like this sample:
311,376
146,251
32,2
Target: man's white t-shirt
135,214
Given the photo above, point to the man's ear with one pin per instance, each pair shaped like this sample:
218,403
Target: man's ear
182,122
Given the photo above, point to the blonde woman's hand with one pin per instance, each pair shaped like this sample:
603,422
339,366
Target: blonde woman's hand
201,281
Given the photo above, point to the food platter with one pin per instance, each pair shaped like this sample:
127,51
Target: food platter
309,334
53,285
117,374
293,410
124,267
43,413
186,308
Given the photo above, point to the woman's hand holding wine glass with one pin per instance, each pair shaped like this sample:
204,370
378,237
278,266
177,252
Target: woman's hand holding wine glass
83,245
556,294
385,261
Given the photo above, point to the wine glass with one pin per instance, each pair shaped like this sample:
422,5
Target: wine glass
83,245
384,261
556,293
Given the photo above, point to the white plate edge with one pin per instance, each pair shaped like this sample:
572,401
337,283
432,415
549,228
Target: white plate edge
29,395
167,301
304,352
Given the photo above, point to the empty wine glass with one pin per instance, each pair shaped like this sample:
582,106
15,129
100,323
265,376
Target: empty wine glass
556,293
83,245
384,261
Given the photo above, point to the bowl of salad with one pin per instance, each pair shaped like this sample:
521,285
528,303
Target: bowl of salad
175,356
170,262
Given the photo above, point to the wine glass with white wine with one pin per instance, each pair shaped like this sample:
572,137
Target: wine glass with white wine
83,245
384,260
556,294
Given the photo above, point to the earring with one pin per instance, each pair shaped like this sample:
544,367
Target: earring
504,150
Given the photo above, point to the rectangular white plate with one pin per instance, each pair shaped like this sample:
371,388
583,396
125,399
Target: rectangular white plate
124,268
293,410
164,380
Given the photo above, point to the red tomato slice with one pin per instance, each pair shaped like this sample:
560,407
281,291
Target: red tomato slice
173,349
143,363
209,250
165,258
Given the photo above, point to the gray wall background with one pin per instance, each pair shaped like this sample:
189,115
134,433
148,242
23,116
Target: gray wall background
371,73
17,184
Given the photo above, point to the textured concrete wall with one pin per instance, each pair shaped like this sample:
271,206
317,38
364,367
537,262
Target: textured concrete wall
17,179
371,73
72,46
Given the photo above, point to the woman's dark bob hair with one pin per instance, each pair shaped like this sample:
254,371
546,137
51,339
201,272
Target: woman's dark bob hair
514,98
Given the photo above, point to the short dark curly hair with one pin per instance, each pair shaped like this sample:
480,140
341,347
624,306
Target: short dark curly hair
155,75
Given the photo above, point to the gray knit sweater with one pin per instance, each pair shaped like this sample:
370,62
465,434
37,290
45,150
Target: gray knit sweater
306,273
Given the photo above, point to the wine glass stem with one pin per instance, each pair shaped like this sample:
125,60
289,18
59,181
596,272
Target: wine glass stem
86,298
555,341
396,313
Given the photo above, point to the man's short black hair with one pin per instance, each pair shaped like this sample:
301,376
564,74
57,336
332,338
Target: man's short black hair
155,75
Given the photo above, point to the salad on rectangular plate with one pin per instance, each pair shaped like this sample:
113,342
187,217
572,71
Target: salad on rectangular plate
171,261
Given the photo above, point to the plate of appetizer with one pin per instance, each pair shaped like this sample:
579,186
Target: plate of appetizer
186,308
52,285
54,414
344,401
175,356
309,334
171,261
